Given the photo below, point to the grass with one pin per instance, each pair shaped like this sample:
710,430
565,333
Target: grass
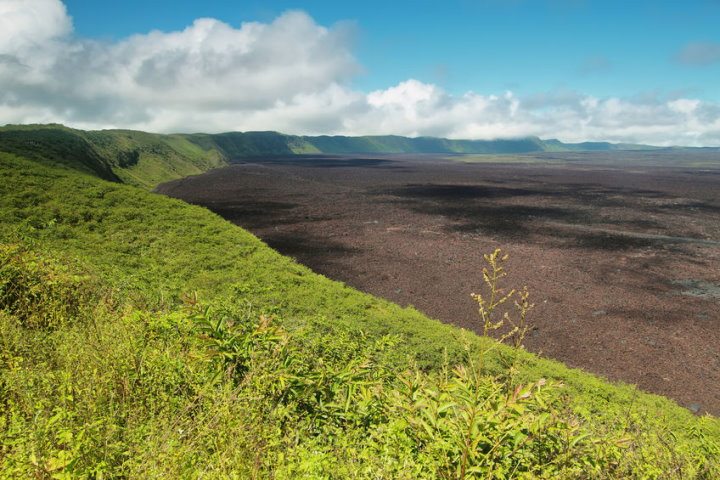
146,159
95,386
144,337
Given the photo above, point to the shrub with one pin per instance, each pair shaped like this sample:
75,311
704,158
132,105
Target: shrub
39,291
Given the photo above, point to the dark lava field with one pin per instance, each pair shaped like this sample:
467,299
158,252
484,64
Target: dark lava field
621,252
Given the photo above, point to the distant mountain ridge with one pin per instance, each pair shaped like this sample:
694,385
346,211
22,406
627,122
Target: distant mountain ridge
395,144
147,159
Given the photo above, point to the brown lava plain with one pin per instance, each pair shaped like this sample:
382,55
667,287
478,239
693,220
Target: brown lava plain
621,252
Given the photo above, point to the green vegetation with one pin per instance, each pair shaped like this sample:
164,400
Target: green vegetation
145,159
143,337
137,158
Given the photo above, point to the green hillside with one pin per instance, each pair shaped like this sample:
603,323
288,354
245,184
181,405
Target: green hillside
143,338
137,158
558,146
146,159
396,144
56,144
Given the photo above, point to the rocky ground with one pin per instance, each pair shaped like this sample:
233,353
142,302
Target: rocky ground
622,258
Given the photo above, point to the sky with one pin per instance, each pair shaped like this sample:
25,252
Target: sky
578,70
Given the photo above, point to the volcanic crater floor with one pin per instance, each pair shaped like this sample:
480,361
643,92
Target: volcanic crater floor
621,253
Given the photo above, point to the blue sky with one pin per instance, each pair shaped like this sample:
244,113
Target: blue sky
578,70
598,47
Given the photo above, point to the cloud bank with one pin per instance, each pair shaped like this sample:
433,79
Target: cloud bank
290,75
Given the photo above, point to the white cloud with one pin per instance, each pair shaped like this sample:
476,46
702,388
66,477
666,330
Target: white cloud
210,67
30,24
414,108
289,75
683,105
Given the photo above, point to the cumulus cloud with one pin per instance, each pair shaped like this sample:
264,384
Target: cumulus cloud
415,108
700,54
31,24
162,78
290,75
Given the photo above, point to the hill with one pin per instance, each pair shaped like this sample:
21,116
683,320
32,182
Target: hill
144,337
147,159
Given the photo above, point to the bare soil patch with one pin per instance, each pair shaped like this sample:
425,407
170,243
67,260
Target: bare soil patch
608,250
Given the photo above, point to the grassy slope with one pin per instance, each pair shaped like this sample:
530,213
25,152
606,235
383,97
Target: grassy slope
143,242
137,158
56,144
128,233
151,249
146,159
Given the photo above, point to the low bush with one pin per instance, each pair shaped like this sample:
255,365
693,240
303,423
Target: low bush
222,391
38,290
106,371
